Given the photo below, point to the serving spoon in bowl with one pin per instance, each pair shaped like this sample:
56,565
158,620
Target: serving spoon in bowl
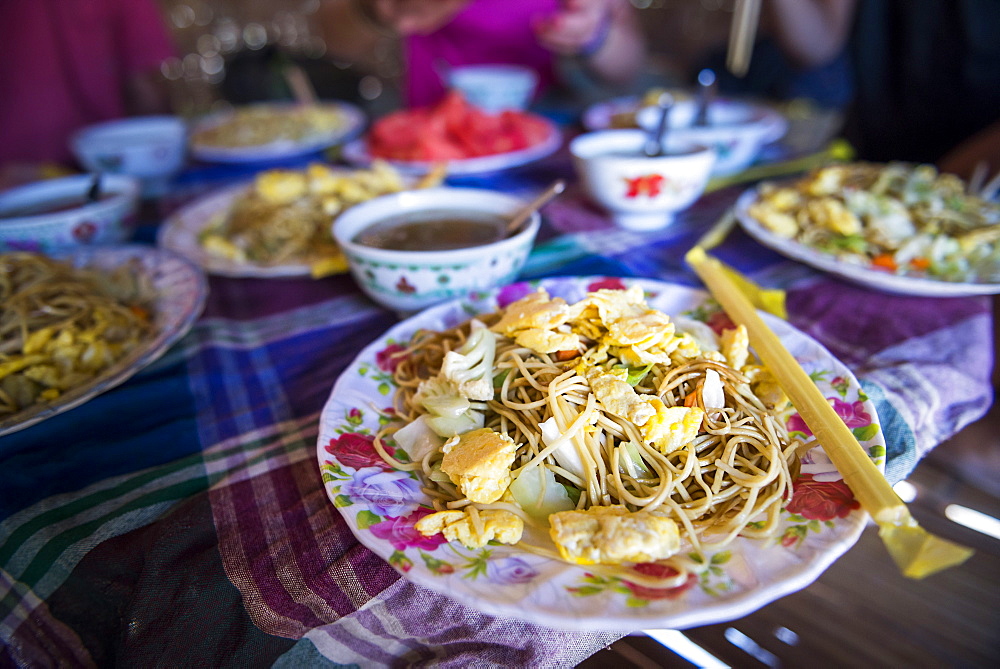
653,146
524,213
94,190
706,93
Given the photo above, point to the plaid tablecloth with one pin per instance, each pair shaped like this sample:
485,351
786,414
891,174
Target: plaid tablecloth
180,519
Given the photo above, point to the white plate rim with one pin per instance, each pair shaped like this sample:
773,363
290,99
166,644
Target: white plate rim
855,273
182,292
799,576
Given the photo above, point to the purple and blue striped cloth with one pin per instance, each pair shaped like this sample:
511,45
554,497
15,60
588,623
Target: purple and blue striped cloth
180,519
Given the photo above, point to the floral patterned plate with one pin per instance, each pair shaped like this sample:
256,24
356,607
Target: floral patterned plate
381,505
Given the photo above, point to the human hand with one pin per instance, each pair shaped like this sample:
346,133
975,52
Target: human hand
579,26
409,17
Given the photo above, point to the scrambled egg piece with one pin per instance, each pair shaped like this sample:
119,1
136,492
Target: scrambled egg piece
534,311
322,179
618,320
766,388
736,346
782,199
478,462
829,180
831,213
489,525
622,322
547,341
613,535
218,245
618,397
668,428
281,186
533,320
689,348
672,428
779,222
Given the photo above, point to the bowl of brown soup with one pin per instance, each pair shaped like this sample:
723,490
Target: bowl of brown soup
412,249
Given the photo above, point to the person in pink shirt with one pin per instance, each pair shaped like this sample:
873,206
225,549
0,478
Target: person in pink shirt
65,64
603,34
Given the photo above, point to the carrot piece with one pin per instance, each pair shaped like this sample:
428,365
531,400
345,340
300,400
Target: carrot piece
920,263
884,261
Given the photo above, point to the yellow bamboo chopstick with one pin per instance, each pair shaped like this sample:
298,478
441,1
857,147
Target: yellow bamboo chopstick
915,551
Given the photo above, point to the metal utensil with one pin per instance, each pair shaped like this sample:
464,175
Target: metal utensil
654,141
515,223
94,191
706,93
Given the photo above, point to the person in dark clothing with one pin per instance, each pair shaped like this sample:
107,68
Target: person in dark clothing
927,76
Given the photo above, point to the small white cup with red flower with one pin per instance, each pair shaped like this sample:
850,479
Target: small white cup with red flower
640,192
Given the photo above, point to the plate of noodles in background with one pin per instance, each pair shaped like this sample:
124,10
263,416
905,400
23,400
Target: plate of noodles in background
278,225
668,557
274,131
119,309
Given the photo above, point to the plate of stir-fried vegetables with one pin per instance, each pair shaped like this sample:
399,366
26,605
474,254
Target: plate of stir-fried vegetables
899,227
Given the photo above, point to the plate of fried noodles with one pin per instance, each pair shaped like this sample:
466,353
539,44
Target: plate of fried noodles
274,131
279,224
79,323
591,453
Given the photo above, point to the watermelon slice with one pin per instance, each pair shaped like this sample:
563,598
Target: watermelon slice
453,129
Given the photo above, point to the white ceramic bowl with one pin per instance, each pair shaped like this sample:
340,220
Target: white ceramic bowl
494,88
640,192
407,281
150,148
737,130
106,221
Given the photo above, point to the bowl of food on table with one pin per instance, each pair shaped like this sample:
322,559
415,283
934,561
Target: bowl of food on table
901,227
151,148
737,129
454,132
68,211
279,224
620,112
413,249
494,88
641,192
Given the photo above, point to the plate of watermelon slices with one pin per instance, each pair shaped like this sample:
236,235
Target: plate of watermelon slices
454,132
